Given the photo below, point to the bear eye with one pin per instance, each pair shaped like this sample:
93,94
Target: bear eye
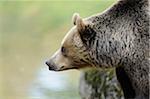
63,50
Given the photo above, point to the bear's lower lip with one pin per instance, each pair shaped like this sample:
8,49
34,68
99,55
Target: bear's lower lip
57,70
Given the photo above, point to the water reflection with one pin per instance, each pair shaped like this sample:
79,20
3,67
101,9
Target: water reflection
55,85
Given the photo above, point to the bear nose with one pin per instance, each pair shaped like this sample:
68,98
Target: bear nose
50,66
47,63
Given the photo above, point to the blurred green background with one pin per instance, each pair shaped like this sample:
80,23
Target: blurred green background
30,32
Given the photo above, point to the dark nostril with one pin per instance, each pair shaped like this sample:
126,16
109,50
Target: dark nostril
47,63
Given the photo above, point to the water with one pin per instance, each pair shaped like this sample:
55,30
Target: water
55,85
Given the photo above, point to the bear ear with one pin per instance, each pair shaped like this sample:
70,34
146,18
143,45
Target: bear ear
80,24
74,18
77,20
85,29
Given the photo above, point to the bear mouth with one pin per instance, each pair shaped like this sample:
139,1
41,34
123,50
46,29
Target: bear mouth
63,69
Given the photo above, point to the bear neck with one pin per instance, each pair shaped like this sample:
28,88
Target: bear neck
121,32
115,32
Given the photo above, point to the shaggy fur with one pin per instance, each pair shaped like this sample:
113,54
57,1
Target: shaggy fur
117,38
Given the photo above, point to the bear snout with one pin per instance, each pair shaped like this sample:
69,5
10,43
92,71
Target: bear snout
47,63
50,65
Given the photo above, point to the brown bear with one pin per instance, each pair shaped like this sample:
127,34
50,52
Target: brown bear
116,38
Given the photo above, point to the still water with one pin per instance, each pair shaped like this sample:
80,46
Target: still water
55,85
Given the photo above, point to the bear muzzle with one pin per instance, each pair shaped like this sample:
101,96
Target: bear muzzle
51,66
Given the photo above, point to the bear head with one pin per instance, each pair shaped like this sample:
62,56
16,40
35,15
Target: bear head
74,52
